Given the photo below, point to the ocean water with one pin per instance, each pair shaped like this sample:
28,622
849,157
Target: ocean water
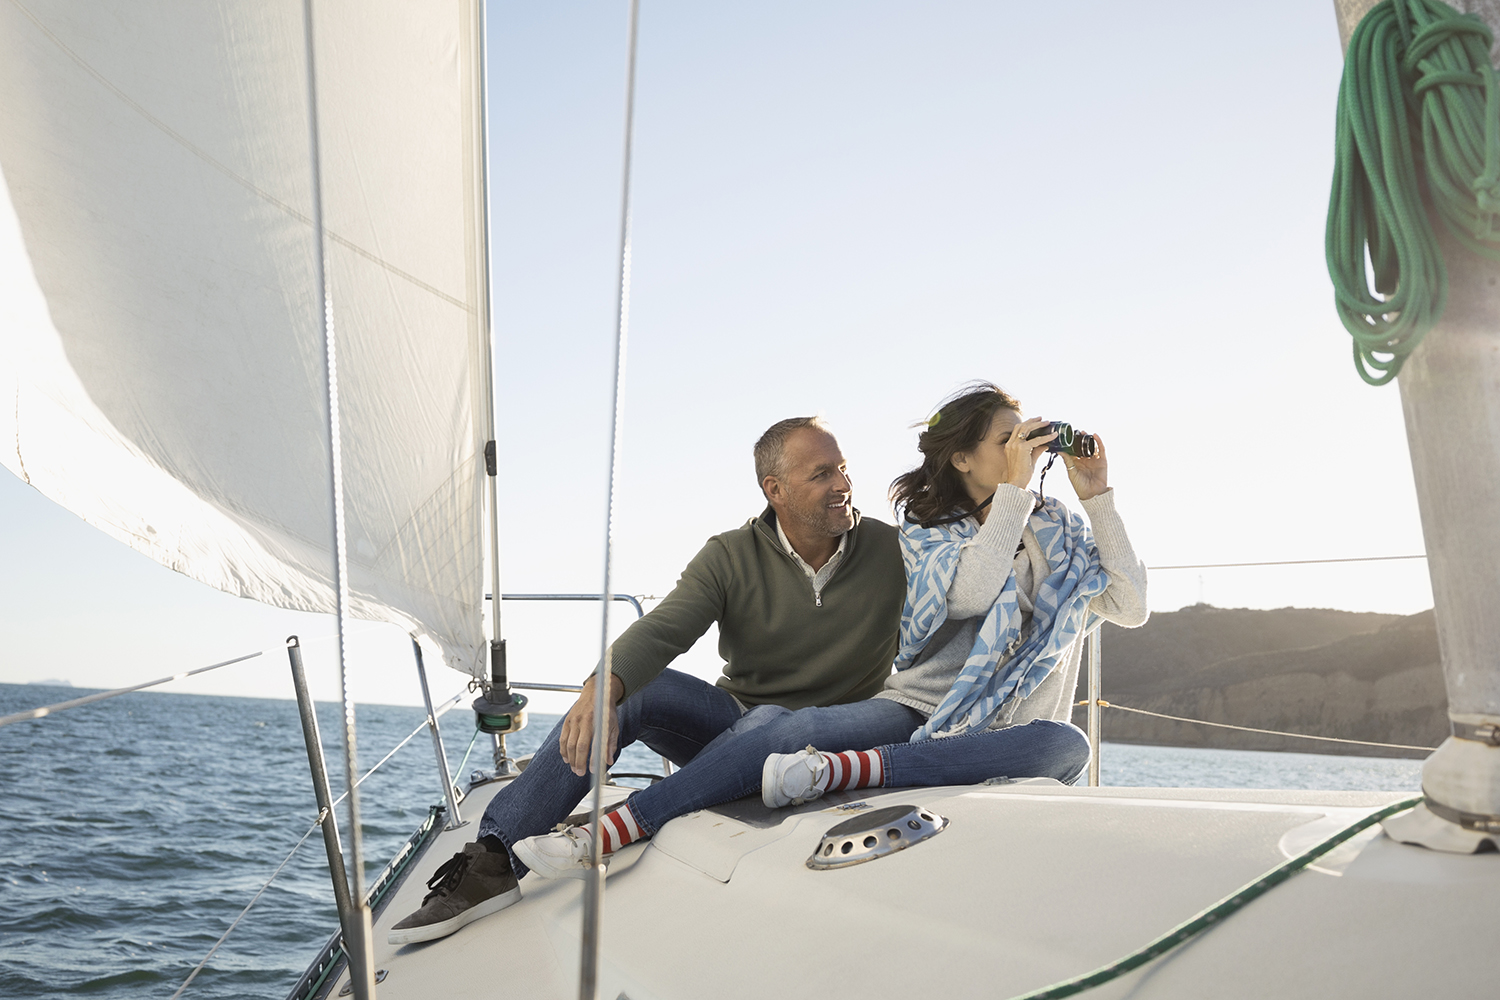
134,831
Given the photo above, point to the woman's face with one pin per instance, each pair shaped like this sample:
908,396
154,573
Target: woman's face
984,468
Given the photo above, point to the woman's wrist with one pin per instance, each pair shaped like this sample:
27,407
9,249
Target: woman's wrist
1095,496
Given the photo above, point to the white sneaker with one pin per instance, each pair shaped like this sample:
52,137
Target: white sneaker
565,854
790,779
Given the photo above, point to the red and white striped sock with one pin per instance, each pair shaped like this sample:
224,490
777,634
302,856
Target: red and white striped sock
852,769
620,829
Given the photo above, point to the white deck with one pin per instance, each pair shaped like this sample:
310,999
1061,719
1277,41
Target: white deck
1027,886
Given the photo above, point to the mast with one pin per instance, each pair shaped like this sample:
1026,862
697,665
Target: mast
497,701
1450,397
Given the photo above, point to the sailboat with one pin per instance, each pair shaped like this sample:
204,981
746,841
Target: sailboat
249,336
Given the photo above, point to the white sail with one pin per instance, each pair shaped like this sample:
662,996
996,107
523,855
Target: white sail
161,360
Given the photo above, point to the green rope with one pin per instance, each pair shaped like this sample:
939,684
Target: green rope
1207,918
1413,67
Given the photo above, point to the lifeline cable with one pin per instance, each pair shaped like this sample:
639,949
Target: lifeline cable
298,846
1252,729
1205,919
1413,66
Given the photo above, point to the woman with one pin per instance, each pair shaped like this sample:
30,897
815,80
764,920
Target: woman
1002,587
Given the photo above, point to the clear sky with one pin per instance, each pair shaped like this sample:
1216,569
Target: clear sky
1113,210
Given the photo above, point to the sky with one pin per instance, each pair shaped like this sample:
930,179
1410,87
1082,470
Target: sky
852,208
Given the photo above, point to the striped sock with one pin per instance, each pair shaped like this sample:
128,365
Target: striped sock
852,769
620,829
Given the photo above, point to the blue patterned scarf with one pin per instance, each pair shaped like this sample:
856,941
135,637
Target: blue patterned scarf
1003,664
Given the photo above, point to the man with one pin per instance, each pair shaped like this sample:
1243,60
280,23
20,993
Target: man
808,600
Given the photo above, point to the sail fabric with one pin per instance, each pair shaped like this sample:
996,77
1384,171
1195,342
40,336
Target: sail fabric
161,345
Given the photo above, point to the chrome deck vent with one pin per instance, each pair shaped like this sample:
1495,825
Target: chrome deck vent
875,834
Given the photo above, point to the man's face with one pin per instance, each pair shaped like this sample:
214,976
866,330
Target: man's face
814,491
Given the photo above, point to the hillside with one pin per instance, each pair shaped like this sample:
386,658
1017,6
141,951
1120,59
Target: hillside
1304,670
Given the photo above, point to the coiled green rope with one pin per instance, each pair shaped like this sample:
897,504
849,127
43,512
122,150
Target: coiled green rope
1413,66
1207,918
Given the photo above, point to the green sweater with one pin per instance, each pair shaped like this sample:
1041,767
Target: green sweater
779,645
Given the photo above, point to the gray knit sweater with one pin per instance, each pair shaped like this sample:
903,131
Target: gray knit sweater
984,564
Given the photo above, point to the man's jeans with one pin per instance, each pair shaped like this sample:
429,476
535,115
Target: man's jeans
730,767
676,715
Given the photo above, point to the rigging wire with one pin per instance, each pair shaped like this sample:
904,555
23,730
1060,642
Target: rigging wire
1412,66
46,710
593,899
1290,562
361,974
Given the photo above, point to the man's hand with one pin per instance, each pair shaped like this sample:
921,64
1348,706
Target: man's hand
576,741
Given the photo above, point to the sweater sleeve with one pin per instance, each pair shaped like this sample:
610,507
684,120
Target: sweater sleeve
987,560
1124,601
645,648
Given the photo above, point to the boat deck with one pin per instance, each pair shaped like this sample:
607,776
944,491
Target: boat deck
1028,885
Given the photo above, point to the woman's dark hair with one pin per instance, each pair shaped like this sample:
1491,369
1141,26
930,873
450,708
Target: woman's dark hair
934,490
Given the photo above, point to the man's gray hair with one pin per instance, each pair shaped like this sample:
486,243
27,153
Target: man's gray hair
770,450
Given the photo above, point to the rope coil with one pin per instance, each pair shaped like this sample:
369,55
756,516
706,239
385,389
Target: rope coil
1414,67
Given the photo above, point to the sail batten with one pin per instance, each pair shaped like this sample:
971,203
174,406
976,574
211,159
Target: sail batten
160,325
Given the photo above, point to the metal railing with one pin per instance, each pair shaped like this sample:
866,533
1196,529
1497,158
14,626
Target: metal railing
634,602
1096,699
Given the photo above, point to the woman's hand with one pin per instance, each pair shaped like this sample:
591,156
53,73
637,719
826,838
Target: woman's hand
1021,452
1089,476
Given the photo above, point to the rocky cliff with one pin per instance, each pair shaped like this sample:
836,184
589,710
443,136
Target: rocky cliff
1303,670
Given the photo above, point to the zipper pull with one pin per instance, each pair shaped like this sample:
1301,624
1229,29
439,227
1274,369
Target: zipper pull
819,599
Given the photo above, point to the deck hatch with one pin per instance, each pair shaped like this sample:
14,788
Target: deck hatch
875,834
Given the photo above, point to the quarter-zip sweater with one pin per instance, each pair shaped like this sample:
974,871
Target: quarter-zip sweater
781,643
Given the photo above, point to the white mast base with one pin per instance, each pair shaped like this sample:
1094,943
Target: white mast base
1463,775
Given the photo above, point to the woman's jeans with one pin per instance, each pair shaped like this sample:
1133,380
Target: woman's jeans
730,767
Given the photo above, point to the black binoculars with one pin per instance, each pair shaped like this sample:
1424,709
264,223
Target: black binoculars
1068,441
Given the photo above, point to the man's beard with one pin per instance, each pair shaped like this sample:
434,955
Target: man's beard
820,518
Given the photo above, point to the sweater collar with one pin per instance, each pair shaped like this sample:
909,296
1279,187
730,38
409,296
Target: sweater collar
765,524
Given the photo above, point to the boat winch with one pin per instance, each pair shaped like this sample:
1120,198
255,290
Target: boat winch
875,834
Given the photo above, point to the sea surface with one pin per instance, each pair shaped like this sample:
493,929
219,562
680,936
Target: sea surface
134,831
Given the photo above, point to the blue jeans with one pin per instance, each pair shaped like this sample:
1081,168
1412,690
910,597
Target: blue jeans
730,767
676,715
1039,749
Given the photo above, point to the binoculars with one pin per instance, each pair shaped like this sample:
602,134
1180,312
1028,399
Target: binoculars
1069,441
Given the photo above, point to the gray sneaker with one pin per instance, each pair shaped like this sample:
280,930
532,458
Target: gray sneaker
472,884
